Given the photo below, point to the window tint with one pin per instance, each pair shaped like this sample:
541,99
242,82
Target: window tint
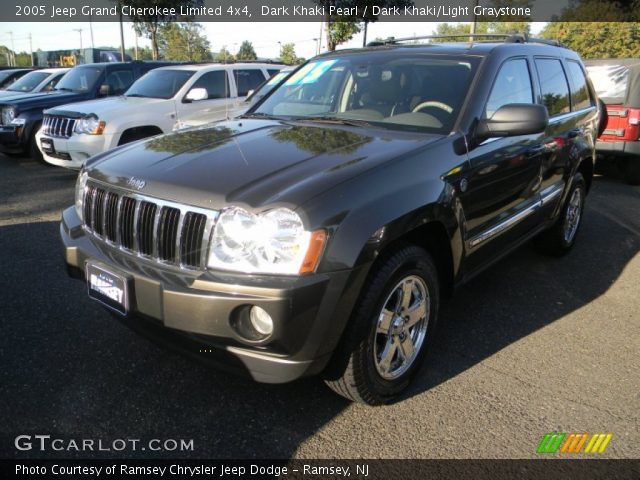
512,85
119,81
580,92
553,86
272,72
216,83
247,80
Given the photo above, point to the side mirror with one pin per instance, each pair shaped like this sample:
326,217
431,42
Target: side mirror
105,90
196,94
514,119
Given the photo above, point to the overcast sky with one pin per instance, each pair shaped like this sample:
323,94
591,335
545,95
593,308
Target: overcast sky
264,36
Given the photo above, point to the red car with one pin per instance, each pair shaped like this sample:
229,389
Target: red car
617,82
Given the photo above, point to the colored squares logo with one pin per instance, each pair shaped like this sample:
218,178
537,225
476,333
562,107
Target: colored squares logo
574,443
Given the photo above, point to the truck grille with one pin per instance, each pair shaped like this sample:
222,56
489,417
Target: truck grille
162,231
55,126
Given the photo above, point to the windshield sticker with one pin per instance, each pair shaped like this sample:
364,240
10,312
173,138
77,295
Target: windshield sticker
310,73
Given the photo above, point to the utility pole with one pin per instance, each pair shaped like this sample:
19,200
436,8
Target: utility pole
13,52
121,37
472,29
91,32
31,49
79,30
135,35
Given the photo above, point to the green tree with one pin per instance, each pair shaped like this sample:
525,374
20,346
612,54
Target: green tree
482,27
149,25
597,39
183,42
144,53
288,54
224,55
246,51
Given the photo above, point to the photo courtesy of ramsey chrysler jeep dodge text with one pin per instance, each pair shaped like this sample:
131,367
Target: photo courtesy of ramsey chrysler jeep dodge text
317,233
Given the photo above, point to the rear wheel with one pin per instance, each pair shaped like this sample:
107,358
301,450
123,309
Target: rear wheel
561,237
392,325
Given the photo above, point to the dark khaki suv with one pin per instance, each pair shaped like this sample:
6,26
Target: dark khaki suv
317,233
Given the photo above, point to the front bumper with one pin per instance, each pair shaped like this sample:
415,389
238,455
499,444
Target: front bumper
11,138
622,148
72,152
193,311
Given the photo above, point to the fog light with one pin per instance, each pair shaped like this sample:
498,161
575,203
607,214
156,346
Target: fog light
261,321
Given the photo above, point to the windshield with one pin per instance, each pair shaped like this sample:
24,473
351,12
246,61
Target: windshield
80,79
610,82
4,75
27,83
386,89
159,83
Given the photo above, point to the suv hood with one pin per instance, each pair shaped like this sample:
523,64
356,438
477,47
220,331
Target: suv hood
105,108
251,163
42,100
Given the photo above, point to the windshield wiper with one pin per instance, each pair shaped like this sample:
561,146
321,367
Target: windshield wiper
258,115
335,120
63,89
135,95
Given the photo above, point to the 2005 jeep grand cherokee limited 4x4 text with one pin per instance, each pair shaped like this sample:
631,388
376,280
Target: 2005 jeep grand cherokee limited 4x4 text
317,233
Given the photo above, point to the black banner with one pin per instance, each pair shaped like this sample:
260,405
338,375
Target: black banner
587,469
319,10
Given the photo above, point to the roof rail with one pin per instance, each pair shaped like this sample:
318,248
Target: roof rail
507,38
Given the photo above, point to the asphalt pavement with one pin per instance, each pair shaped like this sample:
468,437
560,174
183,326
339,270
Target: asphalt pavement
533,345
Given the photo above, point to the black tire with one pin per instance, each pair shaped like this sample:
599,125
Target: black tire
630,169
355,372
33,150
560,238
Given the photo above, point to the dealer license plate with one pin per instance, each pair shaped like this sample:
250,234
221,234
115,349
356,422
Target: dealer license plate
108,288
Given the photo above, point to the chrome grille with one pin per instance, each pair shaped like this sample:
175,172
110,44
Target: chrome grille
161,231
56,126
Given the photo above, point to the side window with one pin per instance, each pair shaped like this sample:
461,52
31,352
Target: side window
553,86
579,93
216,83
247,79
119,81
52,83
512,85
272,72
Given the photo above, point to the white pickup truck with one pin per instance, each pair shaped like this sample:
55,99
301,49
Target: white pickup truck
70,134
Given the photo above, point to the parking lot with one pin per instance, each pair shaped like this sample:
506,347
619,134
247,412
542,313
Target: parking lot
531,346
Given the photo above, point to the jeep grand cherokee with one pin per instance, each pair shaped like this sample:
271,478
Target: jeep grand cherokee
318,232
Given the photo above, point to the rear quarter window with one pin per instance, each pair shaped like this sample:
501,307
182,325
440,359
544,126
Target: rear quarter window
553,86
580,95
247,79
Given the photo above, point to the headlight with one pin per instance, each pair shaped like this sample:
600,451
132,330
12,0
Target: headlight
8,114
272,242
90,125
81,183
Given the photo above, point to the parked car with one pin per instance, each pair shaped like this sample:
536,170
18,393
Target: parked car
317,233
151,106
21,117
617,82
199,119
7,77
43,80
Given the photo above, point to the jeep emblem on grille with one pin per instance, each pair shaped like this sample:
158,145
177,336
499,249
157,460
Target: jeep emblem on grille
136,183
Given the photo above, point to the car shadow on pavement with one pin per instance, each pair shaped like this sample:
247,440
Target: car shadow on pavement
70,370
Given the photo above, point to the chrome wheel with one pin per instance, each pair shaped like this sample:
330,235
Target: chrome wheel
401,328
572,215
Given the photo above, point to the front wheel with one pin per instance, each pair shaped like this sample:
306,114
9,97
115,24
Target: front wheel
392,325
561,237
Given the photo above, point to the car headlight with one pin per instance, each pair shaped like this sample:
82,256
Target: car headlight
272,242
90,125
8,114
81,183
